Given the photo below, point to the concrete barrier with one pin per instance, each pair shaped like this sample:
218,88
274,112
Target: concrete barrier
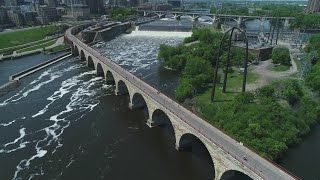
14,79
38,67
5,88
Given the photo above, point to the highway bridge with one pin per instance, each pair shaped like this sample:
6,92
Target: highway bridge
226,153
213,17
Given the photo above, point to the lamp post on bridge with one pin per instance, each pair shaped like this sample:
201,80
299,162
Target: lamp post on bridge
228,62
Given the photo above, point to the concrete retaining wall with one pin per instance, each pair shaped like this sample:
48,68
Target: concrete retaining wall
36,68
112,32
14,79
5,88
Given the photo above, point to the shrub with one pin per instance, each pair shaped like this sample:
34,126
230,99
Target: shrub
281,56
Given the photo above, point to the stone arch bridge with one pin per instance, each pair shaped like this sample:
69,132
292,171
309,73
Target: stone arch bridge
226,153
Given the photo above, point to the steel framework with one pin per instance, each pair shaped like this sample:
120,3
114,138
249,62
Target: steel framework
228,62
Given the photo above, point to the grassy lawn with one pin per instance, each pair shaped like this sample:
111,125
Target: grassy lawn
25,36
39,46
281,68
234,85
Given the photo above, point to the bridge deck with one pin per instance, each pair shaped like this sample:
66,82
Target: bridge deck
220,15
265,169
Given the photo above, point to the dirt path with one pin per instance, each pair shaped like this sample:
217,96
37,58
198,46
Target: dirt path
266,75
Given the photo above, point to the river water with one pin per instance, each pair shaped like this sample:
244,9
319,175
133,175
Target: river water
10,67
64,122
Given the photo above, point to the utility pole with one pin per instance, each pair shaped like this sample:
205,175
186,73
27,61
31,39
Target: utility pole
228,62
269,32
273,28
72,8
278,26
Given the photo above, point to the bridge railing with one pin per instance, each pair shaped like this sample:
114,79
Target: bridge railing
198,126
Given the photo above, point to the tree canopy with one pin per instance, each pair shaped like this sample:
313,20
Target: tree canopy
313,78
306,21
196,61
120,13
314,44
281,55
269,119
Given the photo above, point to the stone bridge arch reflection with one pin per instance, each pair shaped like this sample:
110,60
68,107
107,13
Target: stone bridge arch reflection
138,102
99,70
161,120
82,56
75,51
200,155
90,62
235,175
122,88
110,78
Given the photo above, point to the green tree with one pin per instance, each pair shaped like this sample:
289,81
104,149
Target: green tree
292,92
266,91
199,71
281,56
166,52
314,44
306,21
313,78
184,90
244,98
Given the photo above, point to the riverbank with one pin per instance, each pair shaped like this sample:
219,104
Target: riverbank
38,67
54,45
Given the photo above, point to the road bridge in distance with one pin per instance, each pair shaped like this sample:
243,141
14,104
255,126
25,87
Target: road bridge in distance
214,17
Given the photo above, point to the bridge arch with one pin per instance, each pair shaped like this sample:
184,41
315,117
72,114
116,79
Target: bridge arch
184,16
150,14
122,88
200,154
75,50
234,175
167,15
82,56
138,101
99,70
161,119
204,16
251,18
227,18
90,62
109,78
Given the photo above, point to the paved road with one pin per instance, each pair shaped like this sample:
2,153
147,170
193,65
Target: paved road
257,164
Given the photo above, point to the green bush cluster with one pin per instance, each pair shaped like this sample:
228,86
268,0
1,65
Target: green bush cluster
314,44
196,61
313,77
281,55
306,21
270,119
120,13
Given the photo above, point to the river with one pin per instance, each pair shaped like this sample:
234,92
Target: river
10,67
64,122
